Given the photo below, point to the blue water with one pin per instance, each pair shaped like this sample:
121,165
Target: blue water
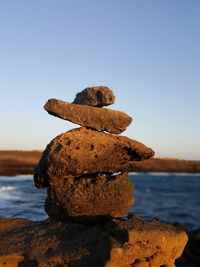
19,198
170,197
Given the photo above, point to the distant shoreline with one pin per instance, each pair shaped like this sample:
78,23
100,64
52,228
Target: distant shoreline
14,162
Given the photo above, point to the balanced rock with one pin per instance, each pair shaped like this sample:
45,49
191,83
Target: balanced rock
90,200
97,96
131,242
100,119
84,151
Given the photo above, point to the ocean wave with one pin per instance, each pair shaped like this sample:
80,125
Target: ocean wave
165,173
151,173
7,196
7,193
7,188
16,178
25,175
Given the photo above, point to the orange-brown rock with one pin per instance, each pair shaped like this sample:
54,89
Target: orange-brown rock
90,200
100,119
85,151
133,242
151,244
97,96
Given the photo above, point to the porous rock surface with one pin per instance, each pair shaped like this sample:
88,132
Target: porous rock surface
97,96
90,200
101,119
85,151
133,242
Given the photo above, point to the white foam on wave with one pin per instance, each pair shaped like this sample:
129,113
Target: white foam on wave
16,178
159,173
24,175
165,173
185,174
151,173
8,192
7,188
6,195
173,174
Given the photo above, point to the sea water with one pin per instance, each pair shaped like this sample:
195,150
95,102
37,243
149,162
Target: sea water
169,197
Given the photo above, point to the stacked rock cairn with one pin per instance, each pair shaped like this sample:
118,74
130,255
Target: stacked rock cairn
85,172
86,169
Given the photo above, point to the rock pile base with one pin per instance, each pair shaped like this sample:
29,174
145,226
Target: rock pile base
119,243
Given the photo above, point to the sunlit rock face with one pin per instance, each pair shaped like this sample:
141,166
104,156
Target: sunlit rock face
131,242
100,119
84,151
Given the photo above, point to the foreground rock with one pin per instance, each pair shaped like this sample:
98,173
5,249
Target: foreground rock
84,151
97,96
117,244
100,119
90,200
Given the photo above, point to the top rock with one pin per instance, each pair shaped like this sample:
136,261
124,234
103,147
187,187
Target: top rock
97,96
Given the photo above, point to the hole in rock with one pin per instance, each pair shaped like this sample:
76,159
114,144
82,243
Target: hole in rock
133,154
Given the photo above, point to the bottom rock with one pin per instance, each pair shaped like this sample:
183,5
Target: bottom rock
127,243
90,200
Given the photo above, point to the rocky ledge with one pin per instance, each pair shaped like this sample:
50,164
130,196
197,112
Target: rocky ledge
119,243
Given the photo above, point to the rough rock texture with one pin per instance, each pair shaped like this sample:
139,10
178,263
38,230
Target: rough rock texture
90,200
118,244
100,119
97,96
85,151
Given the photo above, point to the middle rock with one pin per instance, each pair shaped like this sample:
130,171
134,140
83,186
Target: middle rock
84,152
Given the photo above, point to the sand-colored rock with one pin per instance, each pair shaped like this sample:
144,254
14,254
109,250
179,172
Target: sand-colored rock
90,200
133,242
97,96
84,151
101,119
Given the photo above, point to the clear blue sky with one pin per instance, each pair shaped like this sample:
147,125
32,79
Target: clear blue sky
147,52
